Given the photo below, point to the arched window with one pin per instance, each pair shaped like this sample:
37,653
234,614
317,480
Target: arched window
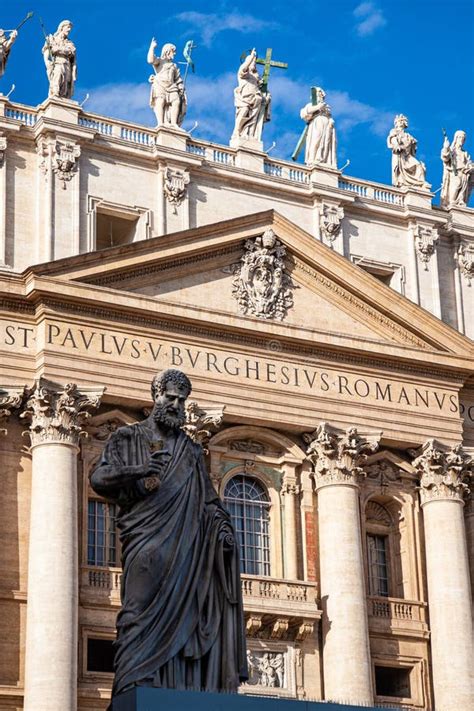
248,505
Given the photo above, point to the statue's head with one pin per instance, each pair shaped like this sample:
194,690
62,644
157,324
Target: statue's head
64,27
459,138
400,121
168,51
170,390
320,94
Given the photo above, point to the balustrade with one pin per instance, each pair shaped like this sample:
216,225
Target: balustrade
26,117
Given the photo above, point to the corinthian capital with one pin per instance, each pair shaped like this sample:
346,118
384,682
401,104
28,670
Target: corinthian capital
444,473
58,413
10,399
337,456
201,424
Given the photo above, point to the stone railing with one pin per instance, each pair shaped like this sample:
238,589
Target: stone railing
397,615
373,191
223,155
101,583
396,608
272,596
22,114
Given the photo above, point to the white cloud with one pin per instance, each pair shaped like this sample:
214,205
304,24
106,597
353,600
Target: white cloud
370,18
208,25
126,101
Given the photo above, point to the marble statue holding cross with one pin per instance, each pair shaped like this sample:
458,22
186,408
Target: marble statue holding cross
252,100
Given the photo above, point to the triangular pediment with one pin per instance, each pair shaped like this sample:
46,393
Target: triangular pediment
193,271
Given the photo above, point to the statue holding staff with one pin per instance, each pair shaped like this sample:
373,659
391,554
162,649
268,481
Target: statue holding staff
458,172
168,95
7,42
181,622
60,59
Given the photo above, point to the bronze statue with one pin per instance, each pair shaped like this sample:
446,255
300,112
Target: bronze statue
181,622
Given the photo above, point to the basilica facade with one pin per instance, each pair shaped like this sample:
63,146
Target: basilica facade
325,324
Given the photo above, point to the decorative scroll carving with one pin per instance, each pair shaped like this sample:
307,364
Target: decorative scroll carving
247,445
305,629
43,151
10,400
201,424
261,285
337,457
443,473
266,669
58,414
330,221
279,628
465,260
175,185
376,513
425,243
382,472
66,160
103,431
253,625
290,486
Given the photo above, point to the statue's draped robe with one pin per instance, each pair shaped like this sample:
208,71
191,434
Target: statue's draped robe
406,169
321,137
181,622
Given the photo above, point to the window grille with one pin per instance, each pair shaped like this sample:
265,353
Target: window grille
101,534
378,568
248,505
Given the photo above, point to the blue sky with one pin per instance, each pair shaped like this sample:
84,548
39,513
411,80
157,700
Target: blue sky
373,58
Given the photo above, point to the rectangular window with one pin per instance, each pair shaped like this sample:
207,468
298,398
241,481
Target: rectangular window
393,681
378,568
102,534
100,655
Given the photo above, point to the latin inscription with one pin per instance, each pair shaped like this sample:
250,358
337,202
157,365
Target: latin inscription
149,352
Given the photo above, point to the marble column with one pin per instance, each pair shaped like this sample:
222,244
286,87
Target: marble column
289,492
443,487
56,416
346,654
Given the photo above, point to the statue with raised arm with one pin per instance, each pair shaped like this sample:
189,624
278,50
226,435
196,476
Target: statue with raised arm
252,104
60,59
5,47
167,95
181,622
321,134
407,170
458,172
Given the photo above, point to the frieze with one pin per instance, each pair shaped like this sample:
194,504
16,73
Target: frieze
322,380
206,331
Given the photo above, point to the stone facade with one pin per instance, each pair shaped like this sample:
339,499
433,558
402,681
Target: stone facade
347,406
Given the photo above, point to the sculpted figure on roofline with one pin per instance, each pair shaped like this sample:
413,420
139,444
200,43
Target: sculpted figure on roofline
407,170
60,58
168,95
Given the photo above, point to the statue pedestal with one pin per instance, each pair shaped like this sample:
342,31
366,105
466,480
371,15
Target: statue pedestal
171,137
148,699
66,110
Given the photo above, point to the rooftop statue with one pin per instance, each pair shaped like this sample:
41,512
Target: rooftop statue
407,170
5,47
181,622
251,101
458,172
319,134
60,58
168,95
7,42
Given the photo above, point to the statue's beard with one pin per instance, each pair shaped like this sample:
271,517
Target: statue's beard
162,416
